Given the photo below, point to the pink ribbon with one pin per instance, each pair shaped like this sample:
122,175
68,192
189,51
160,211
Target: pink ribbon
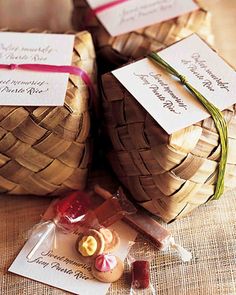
94,11
55,69
107,6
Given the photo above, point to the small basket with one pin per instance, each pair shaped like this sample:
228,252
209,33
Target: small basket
116,51
169,175
45,150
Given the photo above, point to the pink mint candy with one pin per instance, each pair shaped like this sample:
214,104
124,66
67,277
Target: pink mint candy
105,262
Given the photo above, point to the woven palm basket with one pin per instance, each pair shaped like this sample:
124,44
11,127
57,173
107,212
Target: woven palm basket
169,175
118,50
45,150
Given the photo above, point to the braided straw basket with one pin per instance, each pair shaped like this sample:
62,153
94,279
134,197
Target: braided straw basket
45,150
117,50
169,175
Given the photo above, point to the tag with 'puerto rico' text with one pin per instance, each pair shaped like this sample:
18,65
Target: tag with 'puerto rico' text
165,98
132,15
33,88
59,265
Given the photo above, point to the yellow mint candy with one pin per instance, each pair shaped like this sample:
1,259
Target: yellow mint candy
87,246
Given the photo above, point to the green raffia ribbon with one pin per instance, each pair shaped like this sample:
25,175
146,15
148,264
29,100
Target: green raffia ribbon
217,117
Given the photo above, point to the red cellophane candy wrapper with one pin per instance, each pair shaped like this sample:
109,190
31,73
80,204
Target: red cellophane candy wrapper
77,212
139,261
140,270
71,210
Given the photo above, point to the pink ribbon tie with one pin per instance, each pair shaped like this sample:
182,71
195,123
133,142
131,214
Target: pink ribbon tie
13,66
107,6
93,12
72,70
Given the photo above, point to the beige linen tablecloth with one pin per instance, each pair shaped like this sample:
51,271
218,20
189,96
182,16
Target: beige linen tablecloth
210,232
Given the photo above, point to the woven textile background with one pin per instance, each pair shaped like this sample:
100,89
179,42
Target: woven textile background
210,233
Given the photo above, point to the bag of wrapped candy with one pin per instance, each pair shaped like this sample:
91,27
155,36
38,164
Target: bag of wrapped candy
89,219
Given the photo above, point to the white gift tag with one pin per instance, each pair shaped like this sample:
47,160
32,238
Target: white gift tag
28,88
165,98
62,268
136,14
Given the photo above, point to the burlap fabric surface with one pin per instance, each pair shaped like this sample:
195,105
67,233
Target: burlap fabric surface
210,233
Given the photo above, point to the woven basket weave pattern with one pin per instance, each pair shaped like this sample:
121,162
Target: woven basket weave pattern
135,44
45,150
167,175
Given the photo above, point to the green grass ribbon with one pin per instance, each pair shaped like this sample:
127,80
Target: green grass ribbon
217,117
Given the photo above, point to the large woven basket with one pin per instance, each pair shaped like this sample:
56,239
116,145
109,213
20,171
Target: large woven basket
115,51
45,150
169,175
